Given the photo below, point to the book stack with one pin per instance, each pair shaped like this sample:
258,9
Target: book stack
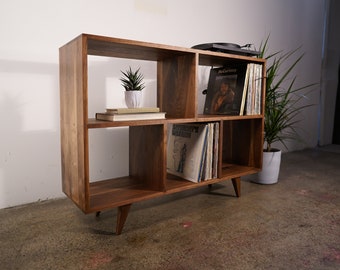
193,151
130,114
234,90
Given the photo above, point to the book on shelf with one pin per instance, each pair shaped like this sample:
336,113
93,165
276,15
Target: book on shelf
245,90
206,156
211,153
193,151
225,89
130,116
254,90
216,136
186,146
132,110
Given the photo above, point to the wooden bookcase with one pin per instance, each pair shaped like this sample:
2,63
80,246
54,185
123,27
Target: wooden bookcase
241,137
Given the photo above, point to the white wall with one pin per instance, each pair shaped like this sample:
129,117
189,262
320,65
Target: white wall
32,31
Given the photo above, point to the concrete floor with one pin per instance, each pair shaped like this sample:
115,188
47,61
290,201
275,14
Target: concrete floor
294,224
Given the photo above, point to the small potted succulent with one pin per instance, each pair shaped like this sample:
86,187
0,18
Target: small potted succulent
132,81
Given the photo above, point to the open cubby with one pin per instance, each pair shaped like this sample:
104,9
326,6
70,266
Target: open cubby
240,140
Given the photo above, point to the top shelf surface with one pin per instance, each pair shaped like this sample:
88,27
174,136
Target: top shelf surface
125,48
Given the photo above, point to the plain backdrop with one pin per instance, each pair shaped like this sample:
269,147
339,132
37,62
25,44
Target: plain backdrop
31,32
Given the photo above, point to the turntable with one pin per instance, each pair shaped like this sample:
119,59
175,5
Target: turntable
227,48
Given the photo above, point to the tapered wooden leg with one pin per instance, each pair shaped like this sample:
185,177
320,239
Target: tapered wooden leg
122,214
237,185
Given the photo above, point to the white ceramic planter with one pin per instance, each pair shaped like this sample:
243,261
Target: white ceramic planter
270,168
133,98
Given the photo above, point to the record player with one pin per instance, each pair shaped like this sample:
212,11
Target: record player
227,48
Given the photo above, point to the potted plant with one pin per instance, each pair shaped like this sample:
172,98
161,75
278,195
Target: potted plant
132,81
282,106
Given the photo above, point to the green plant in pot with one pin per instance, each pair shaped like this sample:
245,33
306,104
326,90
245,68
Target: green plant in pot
282,107
133,83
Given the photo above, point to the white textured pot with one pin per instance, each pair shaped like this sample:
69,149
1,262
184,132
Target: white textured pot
270,168
133,98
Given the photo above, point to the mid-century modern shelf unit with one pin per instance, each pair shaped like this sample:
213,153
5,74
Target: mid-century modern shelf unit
241,137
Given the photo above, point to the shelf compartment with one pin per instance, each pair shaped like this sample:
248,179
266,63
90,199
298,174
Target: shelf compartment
145,163
176,70
147,155
176,84
242,141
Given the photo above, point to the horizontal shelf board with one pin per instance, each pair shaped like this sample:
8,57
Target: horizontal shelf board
132,49
175,184
233,170
211,58
181,120
218,117
112,193
93,123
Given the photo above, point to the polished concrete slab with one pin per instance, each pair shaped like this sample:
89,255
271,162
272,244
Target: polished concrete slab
294,224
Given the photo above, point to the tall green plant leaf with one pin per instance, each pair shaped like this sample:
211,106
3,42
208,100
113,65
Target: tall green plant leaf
282,104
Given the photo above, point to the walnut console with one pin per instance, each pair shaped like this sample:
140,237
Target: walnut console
240,140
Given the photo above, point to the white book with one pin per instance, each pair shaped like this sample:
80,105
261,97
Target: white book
215,149
245,89
209,153
130,116
132,110
258,89
249,101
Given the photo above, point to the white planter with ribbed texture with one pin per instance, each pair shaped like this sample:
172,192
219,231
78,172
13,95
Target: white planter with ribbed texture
133,98
270,168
